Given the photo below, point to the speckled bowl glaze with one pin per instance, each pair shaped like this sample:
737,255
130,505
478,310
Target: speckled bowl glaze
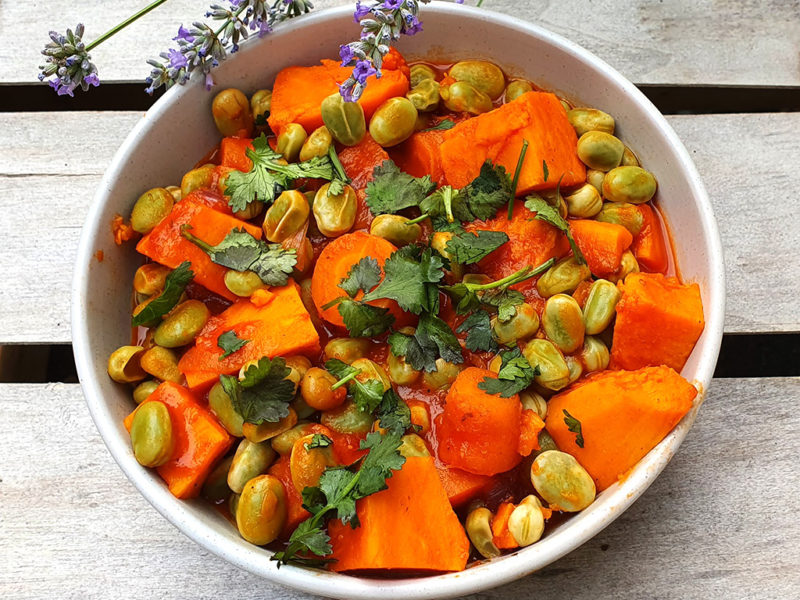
178,130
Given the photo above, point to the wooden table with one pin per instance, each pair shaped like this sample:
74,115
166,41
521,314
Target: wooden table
722,520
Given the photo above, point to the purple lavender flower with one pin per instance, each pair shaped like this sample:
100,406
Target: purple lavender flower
183,34
346,54
362,70
68,63
393,4
176,59
361,11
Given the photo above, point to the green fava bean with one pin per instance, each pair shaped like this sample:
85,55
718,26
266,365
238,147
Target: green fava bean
125,364
283,443
546,442
395,228
393,122
628,265
251,211
585,202
629,184
220,403
464,97
149,279
478,526
562,320
317,144
622,213
261,512
629,158
301,407
216,487
444,375
347,418
162,363
243,283
260,106
199,178
524,324
346,349
250,460
290,141
516,88
344,120
553,369
334,214
413,445
594,354
182,325
175,191
370,370
425,95
286,216
142,391
564,276
231,111
150,209
419,73
590,119
595,177
575,368
151,434
600,307
600,150
526,521
530,400
562,481
484,76
400,372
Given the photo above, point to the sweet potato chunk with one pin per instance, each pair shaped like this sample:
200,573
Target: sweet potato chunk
659,320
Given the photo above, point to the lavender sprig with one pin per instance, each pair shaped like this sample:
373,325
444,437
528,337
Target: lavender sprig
382,22
203,48
68,63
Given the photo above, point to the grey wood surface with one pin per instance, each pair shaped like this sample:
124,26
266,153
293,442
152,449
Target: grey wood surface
748,163
674,42
721,521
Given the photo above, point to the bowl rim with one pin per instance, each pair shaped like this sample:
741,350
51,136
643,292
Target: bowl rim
485,575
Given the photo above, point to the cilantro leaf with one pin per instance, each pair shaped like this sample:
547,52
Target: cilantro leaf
339,489
319,440
263,394
515,375
478,327
230,343
391,190
548,214
240,251
364,275
467,248
268,177
574,426
340,178
442,125
393,413
432,339
545,170
488,192
367,394
448,204
174,285
407,277
364,320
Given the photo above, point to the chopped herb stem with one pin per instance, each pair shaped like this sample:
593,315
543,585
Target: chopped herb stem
347,378
194,239
419,219
337,164
515,181
514,278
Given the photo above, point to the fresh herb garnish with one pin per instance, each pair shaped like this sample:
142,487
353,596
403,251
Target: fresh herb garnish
319,440
410,275
264,393
367,394
268,177
515,375
240,251
362,276
391,190
362,319
467,248
545,170
432,339
339,489
548,214
489,191
393,413
442,125
574,426
515,181
174,285
478,327
470,296
340,178
230,343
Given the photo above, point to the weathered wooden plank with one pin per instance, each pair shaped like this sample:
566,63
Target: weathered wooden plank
747,162
720,521
684,42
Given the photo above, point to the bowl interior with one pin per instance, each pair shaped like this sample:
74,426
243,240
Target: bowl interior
178,130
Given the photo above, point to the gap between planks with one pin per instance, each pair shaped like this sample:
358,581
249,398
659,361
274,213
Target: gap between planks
719,521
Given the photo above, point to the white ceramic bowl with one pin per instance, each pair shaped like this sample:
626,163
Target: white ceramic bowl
178,130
